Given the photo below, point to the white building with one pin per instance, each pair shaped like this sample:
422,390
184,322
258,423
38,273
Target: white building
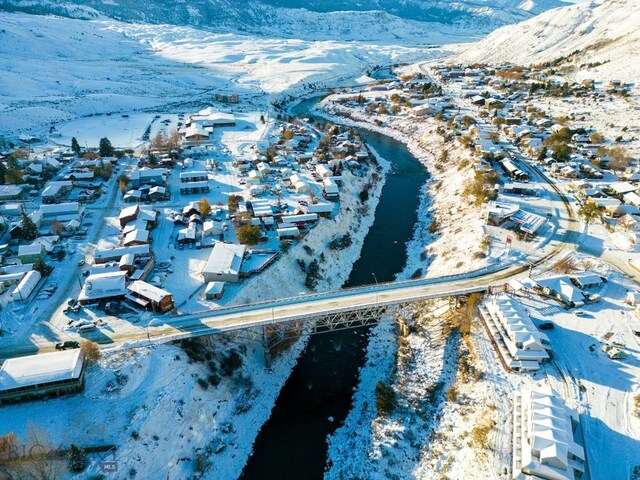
525,346
26,286
543,437
103,286
224,263
46,374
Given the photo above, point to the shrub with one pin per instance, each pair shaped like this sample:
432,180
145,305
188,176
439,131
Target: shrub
434,226
233,203
135,435
214,379
340,243
200,463
364,194
203,383
452,393
76,458
91,351
480,433
230,363
385,398
313,273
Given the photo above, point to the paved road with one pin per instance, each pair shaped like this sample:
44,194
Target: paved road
566,238
315,305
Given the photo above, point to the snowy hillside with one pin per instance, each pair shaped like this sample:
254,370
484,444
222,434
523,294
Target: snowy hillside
104,66
601,39
303,19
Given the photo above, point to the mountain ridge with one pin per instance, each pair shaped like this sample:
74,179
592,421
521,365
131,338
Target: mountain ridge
255,16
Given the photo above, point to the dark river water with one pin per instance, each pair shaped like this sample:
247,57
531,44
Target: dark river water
317,397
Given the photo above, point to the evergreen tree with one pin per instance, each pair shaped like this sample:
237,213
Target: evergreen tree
105,148
75,146
29,229
77,458
42,267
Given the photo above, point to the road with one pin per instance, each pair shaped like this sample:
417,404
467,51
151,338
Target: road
306,307
565,238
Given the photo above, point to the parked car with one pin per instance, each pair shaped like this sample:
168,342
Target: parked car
579,313
547,326
68,345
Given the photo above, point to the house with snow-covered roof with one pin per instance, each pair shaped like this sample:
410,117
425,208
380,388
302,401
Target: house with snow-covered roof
562,288
544,437
525,346
44,375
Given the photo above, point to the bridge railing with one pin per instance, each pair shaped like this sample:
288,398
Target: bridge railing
349,291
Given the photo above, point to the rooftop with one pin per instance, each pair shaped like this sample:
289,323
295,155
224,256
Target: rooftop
38,369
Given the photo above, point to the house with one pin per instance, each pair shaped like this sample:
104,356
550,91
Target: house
136,237
151,297
192,188
622,188
320,209
26,286
632,198
132,196
128,214
586,280
61,212
212,227
562,288
330,189
113,254
498,212
525,346
196,133
55,192
148,176
194,176
287,233
521,188
10,192
103,286
214,290
543,437
158,194
28,254
43,375
300,220
224,263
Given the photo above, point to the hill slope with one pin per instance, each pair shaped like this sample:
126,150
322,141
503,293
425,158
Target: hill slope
283,18
600,40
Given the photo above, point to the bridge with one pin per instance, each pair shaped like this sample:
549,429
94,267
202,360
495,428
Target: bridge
346,308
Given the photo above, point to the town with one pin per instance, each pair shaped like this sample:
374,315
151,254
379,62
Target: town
425,267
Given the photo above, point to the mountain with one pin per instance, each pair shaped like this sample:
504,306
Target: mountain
599,40
275,16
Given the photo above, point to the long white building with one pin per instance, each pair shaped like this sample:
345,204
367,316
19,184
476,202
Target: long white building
526,347
543,437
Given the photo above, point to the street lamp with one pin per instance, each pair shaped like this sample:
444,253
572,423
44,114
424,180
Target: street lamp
377,285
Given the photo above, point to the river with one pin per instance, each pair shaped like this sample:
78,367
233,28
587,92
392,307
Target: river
317,397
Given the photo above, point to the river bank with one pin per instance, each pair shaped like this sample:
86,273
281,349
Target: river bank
368,445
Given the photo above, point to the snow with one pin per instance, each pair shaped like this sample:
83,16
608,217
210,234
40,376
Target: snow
104,66
36,369
606,35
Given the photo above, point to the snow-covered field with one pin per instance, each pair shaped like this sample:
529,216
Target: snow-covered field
107,66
